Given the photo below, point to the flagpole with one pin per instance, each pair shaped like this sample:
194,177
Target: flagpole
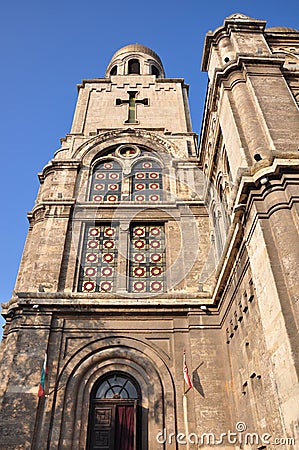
185,410
42,404
185,399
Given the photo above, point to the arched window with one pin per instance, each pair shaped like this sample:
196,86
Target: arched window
113,71
134,66
224,205
147,181
217,216
226,167
106,182
155,71
117,386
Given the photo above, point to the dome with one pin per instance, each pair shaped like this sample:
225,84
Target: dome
281,30
135,59
136,48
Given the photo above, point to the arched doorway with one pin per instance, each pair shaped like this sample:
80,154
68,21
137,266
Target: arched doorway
114,413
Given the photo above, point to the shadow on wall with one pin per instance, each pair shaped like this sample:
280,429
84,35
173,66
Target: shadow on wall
196,380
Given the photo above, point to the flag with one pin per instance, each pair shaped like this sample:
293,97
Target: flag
41,388
186,373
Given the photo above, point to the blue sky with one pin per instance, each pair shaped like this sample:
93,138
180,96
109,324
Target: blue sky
48,47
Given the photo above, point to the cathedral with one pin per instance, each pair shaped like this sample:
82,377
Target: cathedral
156,304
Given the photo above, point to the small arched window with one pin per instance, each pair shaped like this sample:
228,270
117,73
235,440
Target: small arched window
134,66
218,240
117,386
113,71
155,71
106,182
147,181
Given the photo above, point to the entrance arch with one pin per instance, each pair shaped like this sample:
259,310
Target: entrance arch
144,362
114,415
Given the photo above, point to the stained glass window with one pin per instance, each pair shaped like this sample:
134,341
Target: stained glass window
106,182
147,258
147,181
99,258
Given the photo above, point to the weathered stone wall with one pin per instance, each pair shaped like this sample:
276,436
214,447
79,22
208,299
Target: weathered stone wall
257,287
23,356
97,97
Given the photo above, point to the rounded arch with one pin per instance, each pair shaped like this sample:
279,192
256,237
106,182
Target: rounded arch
145,55
134,66
223,191
97,149
157,163
105,182
81,371
147,180
116,385
113,70
99,144
114,410
155,71
113,153
219,181
98,160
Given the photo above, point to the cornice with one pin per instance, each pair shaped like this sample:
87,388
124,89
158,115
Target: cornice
230,25
53,166
240,64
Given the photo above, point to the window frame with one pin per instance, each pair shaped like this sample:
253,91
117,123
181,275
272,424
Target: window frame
134,61
81,267
147,279
159,191
103,160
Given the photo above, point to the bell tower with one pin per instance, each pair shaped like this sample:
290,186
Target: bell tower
109,282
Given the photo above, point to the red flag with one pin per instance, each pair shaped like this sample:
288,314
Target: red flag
186,373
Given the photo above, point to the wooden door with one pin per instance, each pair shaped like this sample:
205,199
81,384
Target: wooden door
113,425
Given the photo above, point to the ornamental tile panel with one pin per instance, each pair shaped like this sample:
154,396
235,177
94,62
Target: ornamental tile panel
147,258
99,259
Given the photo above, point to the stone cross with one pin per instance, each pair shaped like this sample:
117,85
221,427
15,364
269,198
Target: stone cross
132,102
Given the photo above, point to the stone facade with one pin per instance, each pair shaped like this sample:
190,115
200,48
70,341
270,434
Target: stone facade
227,293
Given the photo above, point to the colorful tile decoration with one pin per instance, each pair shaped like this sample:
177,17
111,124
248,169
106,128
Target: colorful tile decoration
99,259
147,182
106,182
147,258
